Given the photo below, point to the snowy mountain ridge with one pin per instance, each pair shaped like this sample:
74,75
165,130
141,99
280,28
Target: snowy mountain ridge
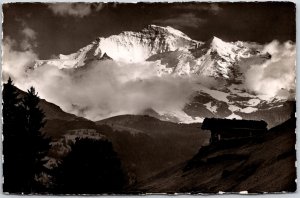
173,53
127,46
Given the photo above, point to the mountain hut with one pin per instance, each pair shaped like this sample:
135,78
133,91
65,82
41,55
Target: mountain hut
226,129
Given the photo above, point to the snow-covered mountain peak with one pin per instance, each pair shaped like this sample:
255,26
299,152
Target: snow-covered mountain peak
215,42
172,50
215,58
218,44
131,46
168,30
128,46
227,50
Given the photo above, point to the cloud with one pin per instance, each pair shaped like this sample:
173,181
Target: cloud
107,88
29,38
213,8
98,6
275,76
29,33
182,20
16,62
74,9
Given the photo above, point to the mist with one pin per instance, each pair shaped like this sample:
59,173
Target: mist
276,76
14,62
102,89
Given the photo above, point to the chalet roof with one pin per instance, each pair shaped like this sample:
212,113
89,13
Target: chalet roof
216,123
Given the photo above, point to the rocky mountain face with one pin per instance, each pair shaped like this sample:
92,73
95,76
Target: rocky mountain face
173,53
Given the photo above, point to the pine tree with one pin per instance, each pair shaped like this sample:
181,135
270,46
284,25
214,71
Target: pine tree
13,128
24,146
37,144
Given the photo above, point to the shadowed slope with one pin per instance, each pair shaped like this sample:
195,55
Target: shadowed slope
255,166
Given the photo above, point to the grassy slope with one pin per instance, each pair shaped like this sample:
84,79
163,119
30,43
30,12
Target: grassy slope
257,166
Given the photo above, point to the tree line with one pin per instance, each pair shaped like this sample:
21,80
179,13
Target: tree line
91,167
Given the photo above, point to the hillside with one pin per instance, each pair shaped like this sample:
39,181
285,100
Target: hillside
266,165
148,145
151,149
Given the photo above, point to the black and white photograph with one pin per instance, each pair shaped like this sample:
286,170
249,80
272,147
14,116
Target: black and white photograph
147,98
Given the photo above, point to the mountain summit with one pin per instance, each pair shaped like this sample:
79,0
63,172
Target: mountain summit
127,46
172,50
172,53
138,46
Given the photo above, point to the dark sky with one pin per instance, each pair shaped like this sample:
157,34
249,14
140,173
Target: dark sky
66,28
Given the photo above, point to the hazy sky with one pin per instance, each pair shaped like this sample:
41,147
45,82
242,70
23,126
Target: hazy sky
64,28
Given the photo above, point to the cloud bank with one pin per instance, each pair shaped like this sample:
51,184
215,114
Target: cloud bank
277,75
103,89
